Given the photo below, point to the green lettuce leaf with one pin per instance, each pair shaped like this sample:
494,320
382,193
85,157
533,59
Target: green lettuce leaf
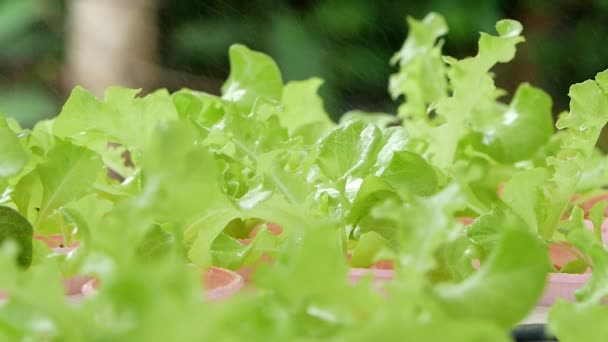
595,174
409,173
371,248
230,253
580,129
571,322
372,191
177,170
580,320
348,150
487,230
120,118
253,75
382,120
257,155
525,126
464,105
14,156
67,174
304,107
506,287
416,229
524,195
35,295
438,329
15,227
421,78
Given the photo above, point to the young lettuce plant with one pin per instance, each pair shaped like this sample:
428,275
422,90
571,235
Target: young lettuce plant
538,199
304,295
289,304
541,196
263,164
450,132
13,226
451,111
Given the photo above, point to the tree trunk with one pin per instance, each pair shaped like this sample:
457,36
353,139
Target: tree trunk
111,42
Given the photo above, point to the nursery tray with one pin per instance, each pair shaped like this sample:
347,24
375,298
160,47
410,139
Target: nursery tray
537,316
533,327
531,333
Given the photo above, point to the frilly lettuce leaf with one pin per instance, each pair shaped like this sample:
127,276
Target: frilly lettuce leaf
487,230
461,108
120,118
416,229
581,320
524,126
371,248
67,174
16,228
176,170
348,150
381,120
542,195
523,194
516,269
595,174
232,254
410,173
421,77
304,107
14,155
581,128
253,76
571,322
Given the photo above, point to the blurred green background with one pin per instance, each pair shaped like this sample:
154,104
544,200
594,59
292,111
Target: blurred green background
346,42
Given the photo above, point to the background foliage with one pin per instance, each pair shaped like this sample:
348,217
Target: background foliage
346,42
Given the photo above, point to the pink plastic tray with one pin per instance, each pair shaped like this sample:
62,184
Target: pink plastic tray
219,284
73,285
222,283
